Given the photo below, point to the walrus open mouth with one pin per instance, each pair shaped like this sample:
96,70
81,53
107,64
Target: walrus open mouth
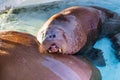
54,49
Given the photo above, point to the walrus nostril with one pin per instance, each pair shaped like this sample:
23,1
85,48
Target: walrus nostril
52,36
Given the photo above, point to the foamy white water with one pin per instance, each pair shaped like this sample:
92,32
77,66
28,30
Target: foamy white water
31,18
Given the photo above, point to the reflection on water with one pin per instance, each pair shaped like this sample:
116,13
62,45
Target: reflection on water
31,18
56,66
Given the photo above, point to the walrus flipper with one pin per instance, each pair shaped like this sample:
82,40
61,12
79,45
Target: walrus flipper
93,55
110,27
96,57
116,45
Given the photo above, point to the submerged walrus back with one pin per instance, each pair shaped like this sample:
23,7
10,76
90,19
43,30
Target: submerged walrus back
20,59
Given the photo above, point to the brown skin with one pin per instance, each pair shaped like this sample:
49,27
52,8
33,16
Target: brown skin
74,25
74,31
20,59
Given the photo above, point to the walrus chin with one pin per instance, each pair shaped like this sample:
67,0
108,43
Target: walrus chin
54,49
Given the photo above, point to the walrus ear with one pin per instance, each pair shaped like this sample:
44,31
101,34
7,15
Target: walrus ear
96,57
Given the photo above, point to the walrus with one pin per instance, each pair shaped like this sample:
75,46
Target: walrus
20,59
75,30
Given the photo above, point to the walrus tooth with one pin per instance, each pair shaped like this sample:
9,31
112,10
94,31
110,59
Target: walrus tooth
60,50
49,51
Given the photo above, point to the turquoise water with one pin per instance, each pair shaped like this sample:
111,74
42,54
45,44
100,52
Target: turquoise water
112,68
30,18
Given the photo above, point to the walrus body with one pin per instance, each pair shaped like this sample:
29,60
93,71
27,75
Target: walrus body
20,59
75,30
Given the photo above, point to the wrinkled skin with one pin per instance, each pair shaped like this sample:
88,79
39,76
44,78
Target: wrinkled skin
20,59
75,30
68,30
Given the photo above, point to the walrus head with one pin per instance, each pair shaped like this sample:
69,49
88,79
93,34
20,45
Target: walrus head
60,34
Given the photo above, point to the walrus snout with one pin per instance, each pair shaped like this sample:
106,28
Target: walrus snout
52,40
53,47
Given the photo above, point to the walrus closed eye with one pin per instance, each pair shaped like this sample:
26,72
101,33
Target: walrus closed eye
75,30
